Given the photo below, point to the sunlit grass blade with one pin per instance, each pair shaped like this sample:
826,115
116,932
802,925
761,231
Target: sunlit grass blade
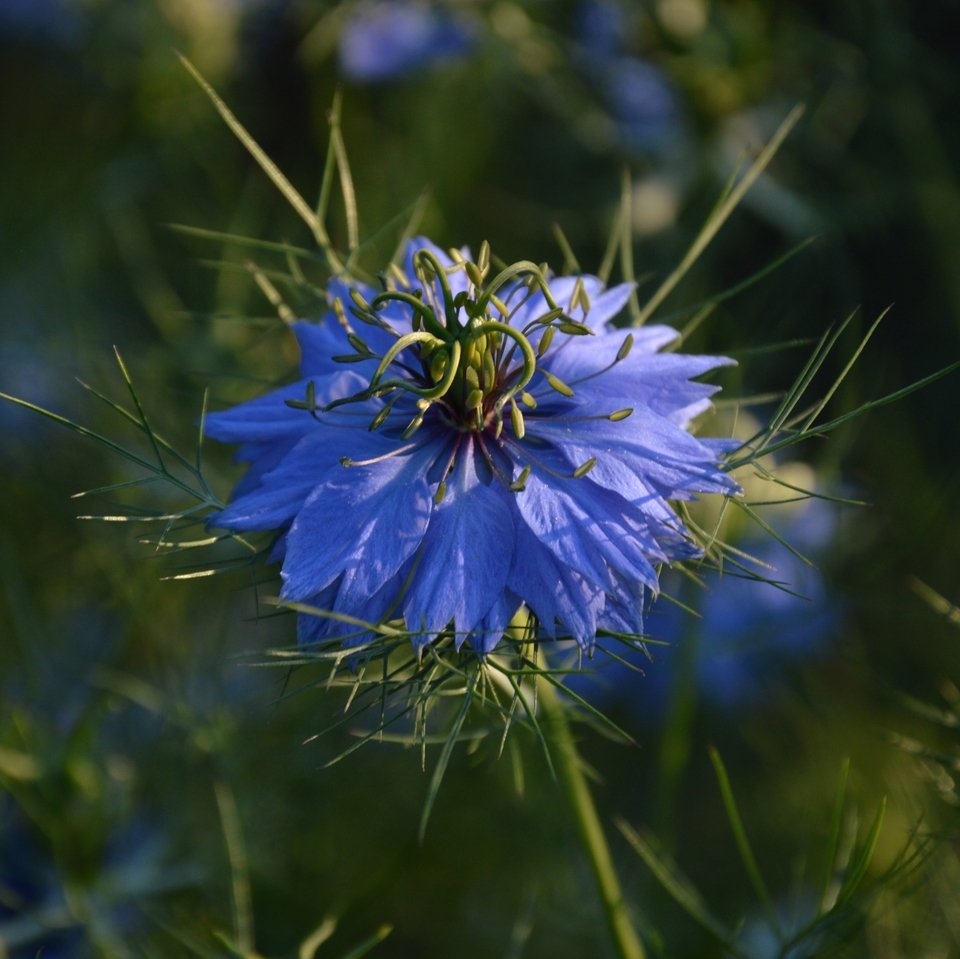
271,293
839,421
827,894
720,215
346,178
936,602
320,935
614,239
570,262
267,246
368,944
737,288
521,697
678,887
440,769
809,421
855,876
743,843
239,866
747,508
269,167
625,223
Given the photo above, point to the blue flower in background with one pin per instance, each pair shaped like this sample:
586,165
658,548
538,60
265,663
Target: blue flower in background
384,40
635,93
465,445
747,629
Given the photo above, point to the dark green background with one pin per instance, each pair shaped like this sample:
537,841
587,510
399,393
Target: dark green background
125,712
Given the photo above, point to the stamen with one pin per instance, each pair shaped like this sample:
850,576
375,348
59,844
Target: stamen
584,468
516,421
400,450
557,384
520,483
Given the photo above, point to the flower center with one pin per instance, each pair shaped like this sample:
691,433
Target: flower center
461,358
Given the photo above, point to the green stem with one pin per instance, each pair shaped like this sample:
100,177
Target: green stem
574,782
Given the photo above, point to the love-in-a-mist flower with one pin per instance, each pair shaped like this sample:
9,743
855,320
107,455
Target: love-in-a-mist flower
462,444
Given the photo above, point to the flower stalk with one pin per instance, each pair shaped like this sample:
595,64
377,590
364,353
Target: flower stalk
570,773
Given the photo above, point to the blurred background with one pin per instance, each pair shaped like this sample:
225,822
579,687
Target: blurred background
157,796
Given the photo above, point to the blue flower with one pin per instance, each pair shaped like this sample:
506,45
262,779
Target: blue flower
381,41
462,446
747,630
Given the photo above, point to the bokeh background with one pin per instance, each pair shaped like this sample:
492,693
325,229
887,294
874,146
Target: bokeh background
157,795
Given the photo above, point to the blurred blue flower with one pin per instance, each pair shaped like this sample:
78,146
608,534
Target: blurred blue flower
486,443
747,629
385,40
635,93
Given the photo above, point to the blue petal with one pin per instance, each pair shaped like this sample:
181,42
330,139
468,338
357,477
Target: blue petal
363,522
553,590
466,555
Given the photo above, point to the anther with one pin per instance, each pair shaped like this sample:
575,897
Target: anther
557,384
520,483
516,421
584,468
545,341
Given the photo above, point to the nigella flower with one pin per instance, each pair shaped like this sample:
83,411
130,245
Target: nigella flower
381,40
461,446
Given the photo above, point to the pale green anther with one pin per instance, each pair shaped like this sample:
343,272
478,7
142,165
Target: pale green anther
557,384
440,493
359,301
489,369
579,296
475,355
498,429
358,344
474,399
438,365
520,483
483,259
584,468
620,414
456,256
413,426
516,421
474,274
573,328
499,306
380,418
528,400
399,275
423,404
547,318
340,314
545,341
625,348
472,379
